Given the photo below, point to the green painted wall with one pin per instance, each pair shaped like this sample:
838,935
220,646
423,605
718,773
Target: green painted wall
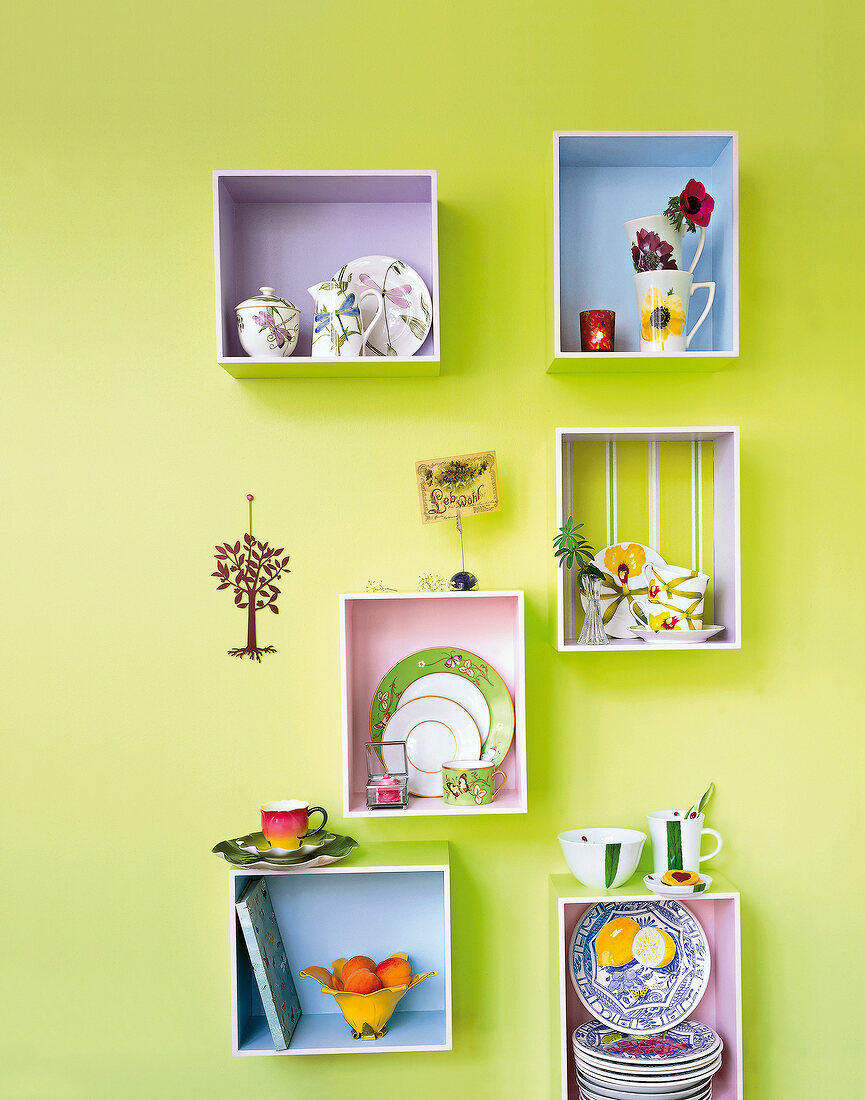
133,743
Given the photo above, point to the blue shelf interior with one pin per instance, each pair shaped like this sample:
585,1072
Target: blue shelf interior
606,181
323,917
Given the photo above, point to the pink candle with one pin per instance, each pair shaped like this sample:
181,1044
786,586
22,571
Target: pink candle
388,789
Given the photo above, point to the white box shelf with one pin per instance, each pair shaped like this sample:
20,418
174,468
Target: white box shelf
384,898
721,1004
674,489
378,629
602,179
291,230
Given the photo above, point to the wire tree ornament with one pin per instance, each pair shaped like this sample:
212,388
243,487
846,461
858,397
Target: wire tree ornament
250,571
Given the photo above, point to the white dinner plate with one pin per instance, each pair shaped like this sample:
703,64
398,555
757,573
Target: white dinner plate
656,1087
434,730
701,1092
459,689
677,637
407,315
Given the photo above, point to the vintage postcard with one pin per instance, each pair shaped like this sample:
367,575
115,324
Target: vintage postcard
468,484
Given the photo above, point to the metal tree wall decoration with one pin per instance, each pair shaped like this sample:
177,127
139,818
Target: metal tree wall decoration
251,573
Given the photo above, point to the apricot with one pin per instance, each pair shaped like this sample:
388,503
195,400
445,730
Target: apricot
362,981
335,983
356,962
394,971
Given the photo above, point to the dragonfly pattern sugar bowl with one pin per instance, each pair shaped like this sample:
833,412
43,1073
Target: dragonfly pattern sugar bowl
267,325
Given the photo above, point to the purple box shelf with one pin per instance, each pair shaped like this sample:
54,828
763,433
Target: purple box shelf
290,230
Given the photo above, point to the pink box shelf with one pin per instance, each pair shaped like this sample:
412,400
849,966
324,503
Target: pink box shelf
378,629
293,229
721,1004
704,495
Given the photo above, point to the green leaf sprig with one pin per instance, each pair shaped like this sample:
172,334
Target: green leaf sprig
572,548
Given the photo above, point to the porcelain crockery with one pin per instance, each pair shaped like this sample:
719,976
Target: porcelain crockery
664,890
683,1044
676,840
286,823
470,782
666,232
663,303
406,318
267,325
602,858
338,325
677,637
434,730
676,597
633,998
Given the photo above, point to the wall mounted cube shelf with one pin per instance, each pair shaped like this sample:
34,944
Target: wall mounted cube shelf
721,1004
378,629
603,179
291,230
674,489
384,898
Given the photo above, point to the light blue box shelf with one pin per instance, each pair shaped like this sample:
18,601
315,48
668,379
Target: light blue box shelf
601,181
384,898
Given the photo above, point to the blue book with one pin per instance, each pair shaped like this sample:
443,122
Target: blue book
269,963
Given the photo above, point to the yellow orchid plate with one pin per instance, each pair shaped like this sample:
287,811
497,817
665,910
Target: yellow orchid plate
366,1014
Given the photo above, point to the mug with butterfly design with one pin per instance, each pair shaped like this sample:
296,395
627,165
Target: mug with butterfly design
470,782
338,328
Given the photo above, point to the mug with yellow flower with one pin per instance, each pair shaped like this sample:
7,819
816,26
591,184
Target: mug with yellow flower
663,298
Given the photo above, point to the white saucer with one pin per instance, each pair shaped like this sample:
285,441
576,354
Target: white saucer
664,890
676,637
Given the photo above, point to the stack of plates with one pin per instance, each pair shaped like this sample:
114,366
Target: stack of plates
678,1064
444,704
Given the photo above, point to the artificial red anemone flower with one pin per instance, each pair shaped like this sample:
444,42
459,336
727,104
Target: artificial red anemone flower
696,204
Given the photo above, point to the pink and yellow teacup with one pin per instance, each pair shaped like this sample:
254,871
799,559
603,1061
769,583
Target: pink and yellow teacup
286,824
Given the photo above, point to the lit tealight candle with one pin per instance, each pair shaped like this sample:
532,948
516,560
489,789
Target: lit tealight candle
597,330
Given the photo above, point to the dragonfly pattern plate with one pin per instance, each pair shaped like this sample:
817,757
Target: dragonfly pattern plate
638,999
407,315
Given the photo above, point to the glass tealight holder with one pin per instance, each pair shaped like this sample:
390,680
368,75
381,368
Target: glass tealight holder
386,775
598,330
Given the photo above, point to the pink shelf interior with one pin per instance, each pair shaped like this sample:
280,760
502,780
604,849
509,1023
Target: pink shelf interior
718,1007
379,633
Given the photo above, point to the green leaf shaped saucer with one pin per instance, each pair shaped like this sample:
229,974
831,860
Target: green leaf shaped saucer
253,850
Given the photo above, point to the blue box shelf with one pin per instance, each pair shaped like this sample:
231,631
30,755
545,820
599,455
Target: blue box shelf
600,181
384,898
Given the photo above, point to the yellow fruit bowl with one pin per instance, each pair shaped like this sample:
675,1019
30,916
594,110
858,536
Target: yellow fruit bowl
366,1014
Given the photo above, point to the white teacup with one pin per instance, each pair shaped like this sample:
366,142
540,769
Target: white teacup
602,858
676,597
676,841
663,301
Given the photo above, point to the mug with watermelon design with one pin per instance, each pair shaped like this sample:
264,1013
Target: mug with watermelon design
676,839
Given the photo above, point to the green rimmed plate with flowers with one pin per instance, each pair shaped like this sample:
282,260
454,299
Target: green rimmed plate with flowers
452,673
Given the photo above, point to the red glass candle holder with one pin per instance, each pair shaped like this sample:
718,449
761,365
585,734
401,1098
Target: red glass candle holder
598,330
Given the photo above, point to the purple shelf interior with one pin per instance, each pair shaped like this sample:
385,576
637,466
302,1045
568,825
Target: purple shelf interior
293,231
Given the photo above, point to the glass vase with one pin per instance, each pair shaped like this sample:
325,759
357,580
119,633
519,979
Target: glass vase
593,632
